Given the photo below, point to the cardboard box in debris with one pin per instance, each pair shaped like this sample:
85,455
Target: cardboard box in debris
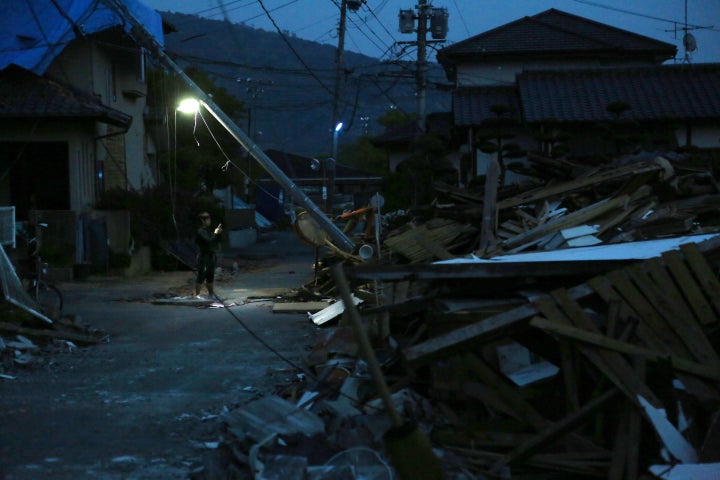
573,335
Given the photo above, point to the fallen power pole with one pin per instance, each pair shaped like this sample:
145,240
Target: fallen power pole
146,39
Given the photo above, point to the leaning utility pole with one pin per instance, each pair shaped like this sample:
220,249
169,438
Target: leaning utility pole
147,40
438,28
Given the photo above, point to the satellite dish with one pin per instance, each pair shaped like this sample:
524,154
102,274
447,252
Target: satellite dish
689,42
309,230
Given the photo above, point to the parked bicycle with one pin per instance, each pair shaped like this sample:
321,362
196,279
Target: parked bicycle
36,280
47,295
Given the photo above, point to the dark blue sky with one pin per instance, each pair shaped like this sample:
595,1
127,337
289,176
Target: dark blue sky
374,28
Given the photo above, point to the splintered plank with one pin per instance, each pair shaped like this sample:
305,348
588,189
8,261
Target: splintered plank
604,342
634,427
298,307
575,218
49,333
489,397
484,328
604,288
433,248
554,314
612,364
646,312
677,318
438,232
554,431
690,288
569,373
506,393
621,444
488,226
659,274
578,183
650,336
488,327
704,274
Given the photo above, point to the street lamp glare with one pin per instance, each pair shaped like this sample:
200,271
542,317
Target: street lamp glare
339,126
189,105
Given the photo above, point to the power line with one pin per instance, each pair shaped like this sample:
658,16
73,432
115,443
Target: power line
462,18
643,15
287,42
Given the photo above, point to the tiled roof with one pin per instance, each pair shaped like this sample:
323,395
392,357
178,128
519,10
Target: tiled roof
25,95
297,167
677,91
553,32
472,105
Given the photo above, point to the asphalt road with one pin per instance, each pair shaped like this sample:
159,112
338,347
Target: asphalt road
145,404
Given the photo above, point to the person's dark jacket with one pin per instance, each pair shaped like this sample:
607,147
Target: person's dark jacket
206,240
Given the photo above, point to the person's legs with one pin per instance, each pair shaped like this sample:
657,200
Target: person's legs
202,273
210,275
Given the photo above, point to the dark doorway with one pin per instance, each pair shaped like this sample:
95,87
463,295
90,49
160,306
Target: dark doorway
39,174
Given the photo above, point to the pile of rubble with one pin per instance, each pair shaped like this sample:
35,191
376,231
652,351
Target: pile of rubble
564,330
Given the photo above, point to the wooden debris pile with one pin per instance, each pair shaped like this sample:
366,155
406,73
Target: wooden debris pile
25,341
29,330
615,377
634,199
601,368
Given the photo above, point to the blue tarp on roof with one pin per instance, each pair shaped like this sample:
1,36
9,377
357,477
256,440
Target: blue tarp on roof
34,32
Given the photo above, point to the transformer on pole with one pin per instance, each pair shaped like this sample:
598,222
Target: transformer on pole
438,19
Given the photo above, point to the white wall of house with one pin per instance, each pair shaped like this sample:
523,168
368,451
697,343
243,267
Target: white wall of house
115,75
703,136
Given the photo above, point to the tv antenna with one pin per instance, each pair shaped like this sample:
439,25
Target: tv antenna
688,39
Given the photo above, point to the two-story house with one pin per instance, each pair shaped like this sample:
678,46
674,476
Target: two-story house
72,105
558,72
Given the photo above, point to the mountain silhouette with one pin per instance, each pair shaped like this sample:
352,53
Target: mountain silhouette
289,89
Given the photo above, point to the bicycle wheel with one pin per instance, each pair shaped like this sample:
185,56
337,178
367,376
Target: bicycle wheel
48,297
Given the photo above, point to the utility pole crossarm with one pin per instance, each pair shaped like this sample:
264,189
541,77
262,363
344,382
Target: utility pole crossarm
148,41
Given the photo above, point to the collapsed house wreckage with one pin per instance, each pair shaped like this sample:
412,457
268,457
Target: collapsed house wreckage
576,339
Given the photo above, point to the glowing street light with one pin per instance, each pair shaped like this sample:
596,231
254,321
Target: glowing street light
148,41
338,127
189,105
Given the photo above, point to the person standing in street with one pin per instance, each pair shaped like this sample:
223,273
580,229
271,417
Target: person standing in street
208,240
